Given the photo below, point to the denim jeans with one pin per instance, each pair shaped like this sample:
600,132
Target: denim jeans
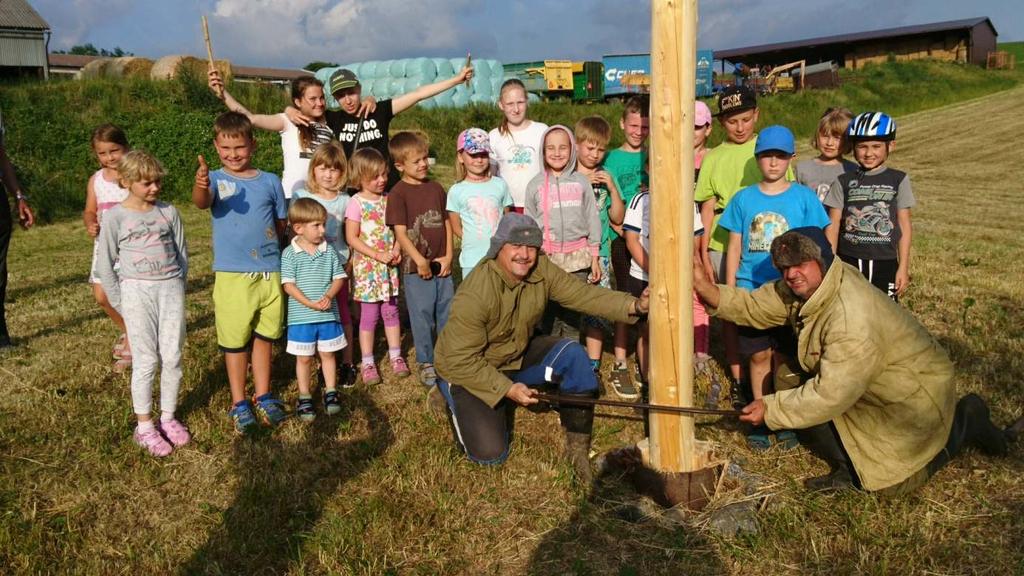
428,302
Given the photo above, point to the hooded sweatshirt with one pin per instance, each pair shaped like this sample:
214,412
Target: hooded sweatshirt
564,205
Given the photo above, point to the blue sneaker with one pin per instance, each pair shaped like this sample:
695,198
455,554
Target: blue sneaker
243,418
332,404
304,408
271,411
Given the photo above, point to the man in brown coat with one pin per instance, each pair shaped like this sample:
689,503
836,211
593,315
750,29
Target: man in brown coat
877,401
490,360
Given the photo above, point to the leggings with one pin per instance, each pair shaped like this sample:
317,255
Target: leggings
485,433
370,312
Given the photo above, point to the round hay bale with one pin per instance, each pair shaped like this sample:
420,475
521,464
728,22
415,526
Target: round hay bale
129,67
367,71
457,64
497,69
397,86
444,68
421,67
173,66
397,69
444,99
94,69
481,85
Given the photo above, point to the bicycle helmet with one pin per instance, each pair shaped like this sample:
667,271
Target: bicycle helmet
872,126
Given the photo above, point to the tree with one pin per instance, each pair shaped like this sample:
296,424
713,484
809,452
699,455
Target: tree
90,50
317,64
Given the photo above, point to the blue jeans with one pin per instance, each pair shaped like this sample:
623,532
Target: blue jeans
485,433
428,302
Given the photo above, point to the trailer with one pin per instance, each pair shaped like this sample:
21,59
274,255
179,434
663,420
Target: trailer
626,74
553,79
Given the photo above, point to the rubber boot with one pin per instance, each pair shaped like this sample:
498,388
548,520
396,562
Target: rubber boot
578,422
972,425
823,442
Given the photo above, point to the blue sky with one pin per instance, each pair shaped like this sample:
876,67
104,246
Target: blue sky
290,33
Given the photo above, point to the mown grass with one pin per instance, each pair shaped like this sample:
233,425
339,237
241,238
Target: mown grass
49,124
381,490
1016,48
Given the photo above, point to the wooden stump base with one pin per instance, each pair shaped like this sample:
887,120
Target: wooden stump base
691,490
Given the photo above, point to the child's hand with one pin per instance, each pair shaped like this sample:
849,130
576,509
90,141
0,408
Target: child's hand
902,280
323,304
446,266
466,74
296,117
203,174
599,177
423,269
396,259
93,229
216,84
595,272
369,106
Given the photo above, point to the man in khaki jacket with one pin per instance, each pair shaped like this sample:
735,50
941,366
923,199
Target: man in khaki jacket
490,360
877,401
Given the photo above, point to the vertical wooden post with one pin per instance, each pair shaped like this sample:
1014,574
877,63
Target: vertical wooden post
673,88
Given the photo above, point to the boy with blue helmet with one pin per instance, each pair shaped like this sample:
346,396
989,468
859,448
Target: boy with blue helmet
870,208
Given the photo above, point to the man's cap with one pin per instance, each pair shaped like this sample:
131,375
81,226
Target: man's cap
736,99
800,245
473,141
514,228
775,138
702,114
341,79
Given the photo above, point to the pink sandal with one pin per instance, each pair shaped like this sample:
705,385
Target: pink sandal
153,442
175,432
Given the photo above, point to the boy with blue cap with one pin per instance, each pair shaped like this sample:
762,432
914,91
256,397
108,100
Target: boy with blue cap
754,217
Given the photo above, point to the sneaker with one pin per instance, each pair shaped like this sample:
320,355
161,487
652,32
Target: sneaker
175,432
152,441
271,411
370,375
332,405
786,439
304,408
347,376
242,416
119,345
399,367
428,376
622,381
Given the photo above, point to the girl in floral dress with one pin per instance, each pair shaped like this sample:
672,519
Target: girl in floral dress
375,258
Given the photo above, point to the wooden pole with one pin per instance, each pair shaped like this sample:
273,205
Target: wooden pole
673,87
209,51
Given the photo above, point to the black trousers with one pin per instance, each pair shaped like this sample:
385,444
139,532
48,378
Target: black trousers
6,227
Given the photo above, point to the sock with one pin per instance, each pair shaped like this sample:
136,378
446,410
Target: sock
305,396
595,365
166,416
146,426
394,353
368,360
264,397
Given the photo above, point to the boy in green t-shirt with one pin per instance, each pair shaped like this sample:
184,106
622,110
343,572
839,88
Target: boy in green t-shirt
626,164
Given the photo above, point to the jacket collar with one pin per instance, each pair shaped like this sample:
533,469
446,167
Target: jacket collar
826,292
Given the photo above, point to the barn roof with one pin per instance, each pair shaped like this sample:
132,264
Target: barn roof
18,14
856,37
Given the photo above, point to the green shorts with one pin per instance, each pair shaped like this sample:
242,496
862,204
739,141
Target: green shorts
247,305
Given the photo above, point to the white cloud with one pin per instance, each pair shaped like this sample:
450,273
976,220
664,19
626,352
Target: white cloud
72,22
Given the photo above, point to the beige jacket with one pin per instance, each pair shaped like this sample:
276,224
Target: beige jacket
875,372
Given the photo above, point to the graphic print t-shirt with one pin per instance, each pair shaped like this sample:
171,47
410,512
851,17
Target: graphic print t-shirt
296,157
869,228
245,213
479,206
819,177
760,218
516,157
421,209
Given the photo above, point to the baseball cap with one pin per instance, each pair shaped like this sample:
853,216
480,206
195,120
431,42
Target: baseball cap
775,138
736,99
473,141
702,114
342,79
514,228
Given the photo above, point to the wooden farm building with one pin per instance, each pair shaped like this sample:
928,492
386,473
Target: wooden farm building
967,40
23,39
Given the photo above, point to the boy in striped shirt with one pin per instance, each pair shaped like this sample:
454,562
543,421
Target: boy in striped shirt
312,276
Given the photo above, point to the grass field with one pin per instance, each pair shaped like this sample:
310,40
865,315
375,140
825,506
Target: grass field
1016,48
380,490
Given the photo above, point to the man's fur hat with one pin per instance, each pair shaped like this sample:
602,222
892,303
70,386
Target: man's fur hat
800,245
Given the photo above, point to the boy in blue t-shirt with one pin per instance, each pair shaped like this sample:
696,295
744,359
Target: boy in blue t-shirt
248,210
754,217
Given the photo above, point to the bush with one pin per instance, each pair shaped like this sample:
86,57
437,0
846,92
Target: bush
49,123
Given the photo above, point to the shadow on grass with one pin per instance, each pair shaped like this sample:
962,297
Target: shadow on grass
283,487
63,326
610,534
49,284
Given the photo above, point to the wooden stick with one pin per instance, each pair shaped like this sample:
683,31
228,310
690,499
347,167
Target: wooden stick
673,87
209,52
469,60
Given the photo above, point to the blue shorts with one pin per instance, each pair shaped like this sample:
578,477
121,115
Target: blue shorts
306,339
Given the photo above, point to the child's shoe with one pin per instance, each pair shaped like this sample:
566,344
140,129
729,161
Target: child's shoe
119,346
347,375
175,432
123,363
304,408
332,404
152,441
399,367
242,416
622,381
370,374
271,410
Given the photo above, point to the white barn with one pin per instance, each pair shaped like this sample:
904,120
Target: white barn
24,36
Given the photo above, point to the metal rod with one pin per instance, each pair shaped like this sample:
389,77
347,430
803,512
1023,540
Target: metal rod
554,398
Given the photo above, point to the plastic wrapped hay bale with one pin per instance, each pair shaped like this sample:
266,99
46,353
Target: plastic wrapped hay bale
478,98
427,104
496,82
384,69
396,86
532,97
397,68
460,96
367,71
444,68
444,99
421,67
411,84
481,85
324,76
481,69
382,88
457,64
497,69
